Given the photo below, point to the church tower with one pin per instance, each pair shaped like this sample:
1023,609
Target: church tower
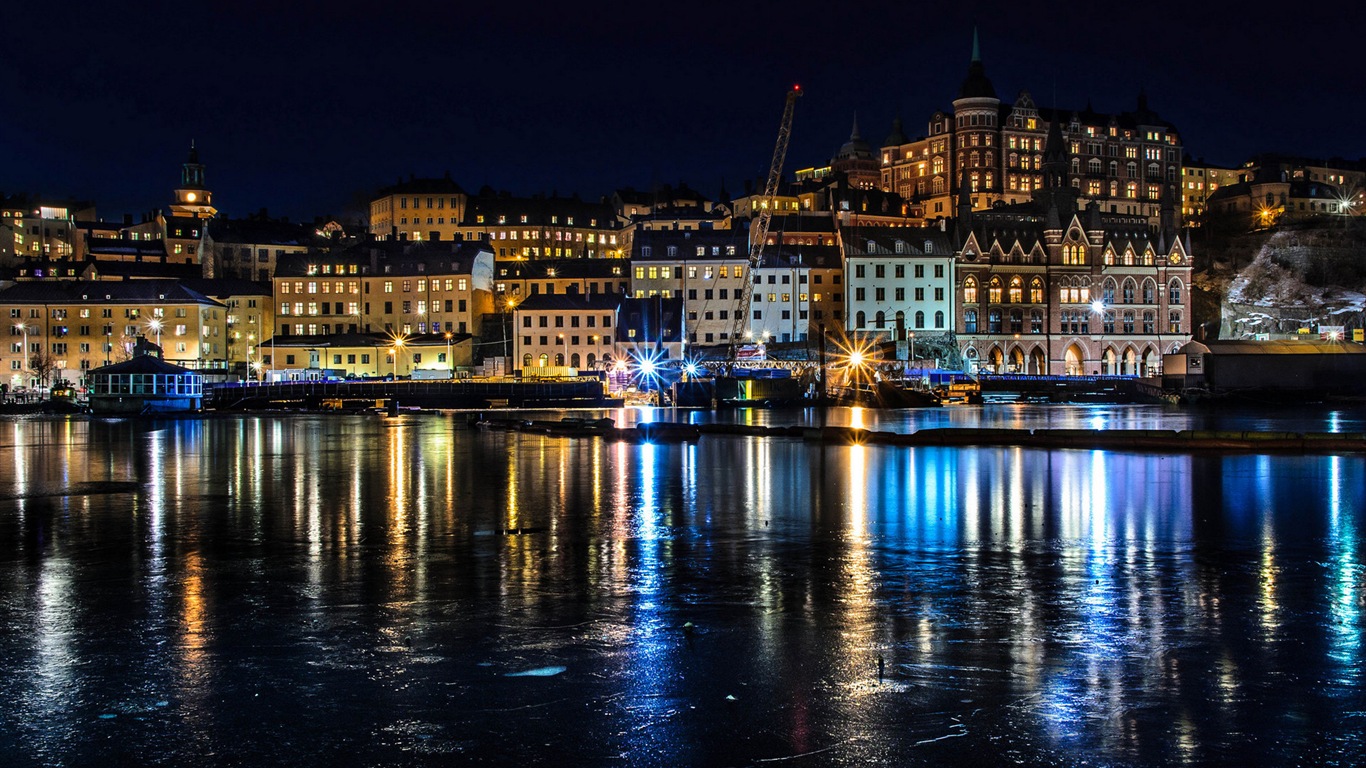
192,198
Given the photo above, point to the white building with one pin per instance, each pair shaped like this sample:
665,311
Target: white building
796,291
898,282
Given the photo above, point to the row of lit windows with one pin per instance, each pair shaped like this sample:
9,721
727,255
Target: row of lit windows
1071,321
880,294
524,219
337,287
440,202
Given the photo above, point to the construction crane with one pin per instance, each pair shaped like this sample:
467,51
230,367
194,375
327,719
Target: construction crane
759,230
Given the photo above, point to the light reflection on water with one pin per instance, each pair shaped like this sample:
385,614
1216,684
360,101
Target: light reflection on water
370,583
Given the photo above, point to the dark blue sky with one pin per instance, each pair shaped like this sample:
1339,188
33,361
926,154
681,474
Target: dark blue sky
307,110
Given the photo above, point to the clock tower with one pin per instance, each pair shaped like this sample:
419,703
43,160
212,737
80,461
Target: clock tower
192,198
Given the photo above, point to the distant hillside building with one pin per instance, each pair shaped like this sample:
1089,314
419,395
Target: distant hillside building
1272,189
250,248
417,208
1121,161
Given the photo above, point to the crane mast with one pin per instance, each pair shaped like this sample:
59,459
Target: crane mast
759,233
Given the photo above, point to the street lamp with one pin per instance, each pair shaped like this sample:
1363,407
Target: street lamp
564,349
450,361
155,325
23,327
394,350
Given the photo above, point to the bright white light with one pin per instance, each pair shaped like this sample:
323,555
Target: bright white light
691,368
856,358
647,366
1098,307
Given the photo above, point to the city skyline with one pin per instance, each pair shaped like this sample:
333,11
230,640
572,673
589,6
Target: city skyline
308,111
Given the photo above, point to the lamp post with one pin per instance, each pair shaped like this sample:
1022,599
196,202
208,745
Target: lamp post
155,325
23,327
398,347
1098,309
450,361
564,349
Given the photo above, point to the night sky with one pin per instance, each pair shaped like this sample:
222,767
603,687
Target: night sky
307,110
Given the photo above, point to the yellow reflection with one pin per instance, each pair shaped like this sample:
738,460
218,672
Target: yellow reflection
858,491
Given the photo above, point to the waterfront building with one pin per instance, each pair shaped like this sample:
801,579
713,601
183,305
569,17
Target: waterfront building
145,384
797,290
898,282
365,355
250,317
650,329
706,269
1047,287
564,330
395,287
73,326
1122,161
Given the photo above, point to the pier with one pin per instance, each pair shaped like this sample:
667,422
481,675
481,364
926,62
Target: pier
459,394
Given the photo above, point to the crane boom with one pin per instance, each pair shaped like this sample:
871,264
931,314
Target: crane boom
759,233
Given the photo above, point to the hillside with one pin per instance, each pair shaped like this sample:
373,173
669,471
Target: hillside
1278,281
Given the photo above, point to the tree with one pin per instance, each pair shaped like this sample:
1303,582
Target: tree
42,367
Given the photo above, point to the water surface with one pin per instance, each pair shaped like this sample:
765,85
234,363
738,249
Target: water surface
310,590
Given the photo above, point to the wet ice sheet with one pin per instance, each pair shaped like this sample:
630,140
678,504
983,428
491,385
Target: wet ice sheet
308,590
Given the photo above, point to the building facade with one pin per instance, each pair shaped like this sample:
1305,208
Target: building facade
1122,161
564,330
1057,291
898,282
71,327
706,269
393,287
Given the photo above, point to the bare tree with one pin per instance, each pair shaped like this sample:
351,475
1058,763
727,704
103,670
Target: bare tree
42,366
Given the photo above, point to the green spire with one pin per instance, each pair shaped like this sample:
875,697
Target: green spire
976,49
